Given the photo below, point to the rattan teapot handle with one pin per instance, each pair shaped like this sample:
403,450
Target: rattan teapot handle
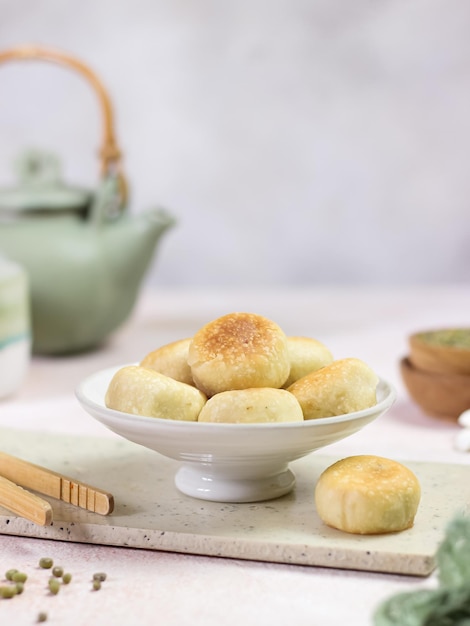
109,153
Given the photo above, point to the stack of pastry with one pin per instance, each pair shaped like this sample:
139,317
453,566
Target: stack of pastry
242,368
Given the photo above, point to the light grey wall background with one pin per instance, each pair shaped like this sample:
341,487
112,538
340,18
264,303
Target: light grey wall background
297,141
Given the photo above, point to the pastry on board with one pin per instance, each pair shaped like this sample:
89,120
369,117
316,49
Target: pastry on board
367,494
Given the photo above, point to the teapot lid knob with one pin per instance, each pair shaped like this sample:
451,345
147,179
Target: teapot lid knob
35,167
40,186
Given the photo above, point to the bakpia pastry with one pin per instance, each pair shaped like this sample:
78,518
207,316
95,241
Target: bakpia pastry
344,386
306,355
142,391
171,360
238,351
367,495
256,405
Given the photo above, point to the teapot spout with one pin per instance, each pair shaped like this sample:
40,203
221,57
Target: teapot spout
156,222
130,245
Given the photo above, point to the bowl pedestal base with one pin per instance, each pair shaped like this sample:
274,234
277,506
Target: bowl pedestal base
207,481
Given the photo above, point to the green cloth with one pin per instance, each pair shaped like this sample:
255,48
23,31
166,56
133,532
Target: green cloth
449,604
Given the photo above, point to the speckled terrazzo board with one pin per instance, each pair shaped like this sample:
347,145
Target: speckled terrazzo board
151,514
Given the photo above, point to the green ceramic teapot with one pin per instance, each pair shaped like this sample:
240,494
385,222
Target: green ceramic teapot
84,254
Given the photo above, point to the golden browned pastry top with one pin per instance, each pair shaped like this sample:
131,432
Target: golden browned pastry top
239,351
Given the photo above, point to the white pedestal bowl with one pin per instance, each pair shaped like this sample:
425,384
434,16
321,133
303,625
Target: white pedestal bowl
229,462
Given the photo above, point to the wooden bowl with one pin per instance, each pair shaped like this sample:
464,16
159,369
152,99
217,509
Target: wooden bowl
444,351
442,395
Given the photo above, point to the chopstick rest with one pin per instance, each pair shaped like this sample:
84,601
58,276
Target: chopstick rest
23,503
56,485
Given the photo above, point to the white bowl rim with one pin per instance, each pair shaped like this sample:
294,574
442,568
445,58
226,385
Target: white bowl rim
120,416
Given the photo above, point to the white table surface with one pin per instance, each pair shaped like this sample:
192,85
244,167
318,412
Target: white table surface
149,587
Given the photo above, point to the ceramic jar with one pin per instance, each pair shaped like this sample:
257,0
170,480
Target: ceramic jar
15,335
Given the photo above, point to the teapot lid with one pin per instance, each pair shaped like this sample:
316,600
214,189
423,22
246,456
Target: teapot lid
40,187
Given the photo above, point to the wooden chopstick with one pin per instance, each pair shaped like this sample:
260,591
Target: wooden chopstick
55,485
23,503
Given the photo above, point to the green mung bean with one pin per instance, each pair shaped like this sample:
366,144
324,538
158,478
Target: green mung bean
54,586
7,591
57,571
101,576
45,562
19,577
9,574
66,578
96,584
42,616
